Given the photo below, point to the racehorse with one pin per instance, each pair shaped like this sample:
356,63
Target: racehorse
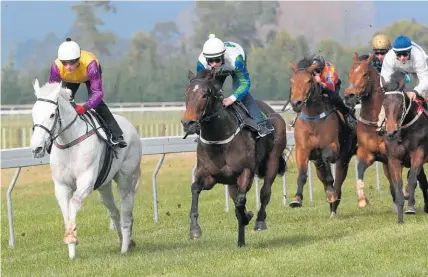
82,162
320,135
229,154
364,87
406,138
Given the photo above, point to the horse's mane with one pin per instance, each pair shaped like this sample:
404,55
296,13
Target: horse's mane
202,74
49,90
305,62
394,83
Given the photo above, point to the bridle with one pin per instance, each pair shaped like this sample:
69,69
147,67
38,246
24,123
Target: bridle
313,88
368,81
57,119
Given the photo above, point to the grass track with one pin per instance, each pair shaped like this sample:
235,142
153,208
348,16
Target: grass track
298,242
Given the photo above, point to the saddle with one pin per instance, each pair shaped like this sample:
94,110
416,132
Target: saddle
244,118
92,118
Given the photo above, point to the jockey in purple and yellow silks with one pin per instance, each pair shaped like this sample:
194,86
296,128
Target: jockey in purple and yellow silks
73,67
231,60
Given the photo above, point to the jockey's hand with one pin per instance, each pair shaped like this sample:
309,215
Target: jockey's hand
317,78
411,95
80,109
227,101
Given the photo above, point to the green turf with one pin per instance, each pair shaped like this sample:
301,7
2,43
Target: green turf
298,242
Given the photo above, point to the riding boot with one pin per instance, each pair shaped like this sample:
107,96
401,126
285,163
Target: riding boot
265,128
336,101
116,132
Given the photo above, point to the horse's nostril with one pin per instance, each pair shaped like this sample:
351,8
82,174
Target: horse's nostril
38,150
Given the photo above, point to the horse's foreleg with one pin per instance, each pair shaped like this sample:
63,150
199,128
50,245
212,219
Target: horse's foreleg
244,217
266,191
106,197
196,188
325,176
394,168
63,195
391,186
365,159
302,159
423,184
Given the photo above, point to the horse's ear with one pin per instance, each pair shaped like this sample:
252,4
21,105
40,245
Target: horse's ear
312,67
190,75
370,58
36,87
293,66
402,84
355,57
211,75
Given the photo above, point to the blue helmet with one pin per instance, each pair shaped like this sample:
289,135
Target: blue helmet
402,43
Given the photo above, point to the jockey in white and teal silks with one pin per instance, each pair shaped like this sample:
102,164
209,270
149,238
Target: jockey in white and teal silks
231,60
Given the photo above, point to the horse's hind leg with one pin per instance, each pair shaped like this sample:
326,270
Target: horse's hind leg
105,193
325,176
342,166
266,191
244,183
126,183
365,159
423,184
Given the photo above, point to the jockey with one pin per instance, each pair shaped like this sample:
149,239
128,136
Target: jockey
409,57
73,67
380,46
326,75
231,60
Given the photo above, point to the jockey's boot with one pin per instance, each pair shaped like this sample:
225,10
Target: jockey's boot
116,132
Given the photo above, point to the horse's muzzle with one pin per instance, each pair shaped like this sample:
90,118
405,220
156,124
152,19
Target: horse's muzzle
394,135
297,106
189,126
39,152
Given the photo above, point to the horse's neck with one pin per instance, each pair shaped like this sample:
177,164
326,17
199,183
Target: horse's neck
371,105
219,127
68,114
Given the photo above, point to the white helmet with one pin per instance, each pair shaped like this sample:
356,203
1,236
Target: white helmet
68,50
213,47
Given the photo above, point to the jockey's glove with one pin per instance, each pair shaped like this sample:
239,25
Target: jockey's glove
81,109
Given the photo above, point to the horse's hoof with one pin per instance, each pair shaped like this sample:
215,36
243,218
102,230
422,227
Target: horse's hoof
426,209
362,202
331,197
241,244
260,226
332,215
195,233
295,204
410,210
71,251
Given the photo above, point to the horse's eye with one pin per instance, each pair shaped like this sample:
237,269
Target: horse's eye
52,115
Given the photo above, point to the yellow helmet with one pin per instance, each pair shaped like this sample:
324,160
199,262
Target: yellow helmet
381,42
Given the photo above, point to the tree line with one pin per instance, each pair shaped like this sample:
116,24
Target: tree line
153,66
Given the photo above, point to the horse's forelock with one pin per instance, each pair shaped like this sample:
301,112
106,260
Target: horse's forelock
49,90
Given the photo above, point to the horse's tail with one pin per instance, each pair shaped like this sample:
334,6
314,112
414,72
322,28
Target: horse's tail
282,166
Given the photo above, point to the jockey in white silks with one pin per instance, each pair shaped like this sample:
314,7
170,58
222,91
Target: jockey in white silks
231,60
408,57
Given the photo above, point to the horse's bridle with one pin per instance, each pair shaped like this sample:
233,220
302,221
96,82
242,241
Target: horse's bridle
405,110
313,87
51,133
364,90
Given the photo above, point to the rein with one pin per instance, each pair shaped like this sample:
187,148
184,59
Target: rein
406,110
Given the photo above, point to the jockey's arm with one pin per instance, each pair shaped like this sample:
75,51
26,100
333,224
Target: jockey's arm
421,69
54,74
95,81
387,66
242,79
331,78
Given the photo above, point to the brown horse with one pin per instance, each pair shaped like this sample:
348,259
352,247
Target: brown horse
228,153
320,135
406,138
364,87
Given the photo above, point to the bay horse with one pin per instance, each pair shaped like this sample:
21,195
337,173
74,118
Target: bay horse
364,87
78,151
228,153
406,138
320,135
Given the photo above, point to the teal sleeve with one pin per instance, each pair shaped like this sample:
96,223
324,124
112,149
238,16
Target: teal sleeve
241,79
199,66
